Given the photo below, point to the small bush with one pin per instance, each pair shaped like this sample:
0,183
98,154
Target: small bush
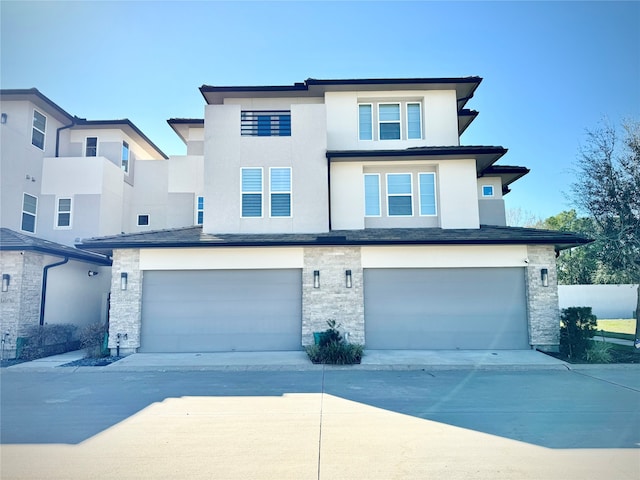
577,327
331,348
43,340
92,338
599,352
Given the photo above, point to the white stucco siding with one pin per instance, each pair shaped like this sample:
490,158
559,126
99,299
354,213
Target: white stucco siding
495,182
112,202
150,195
444,256
439,119
226,152
347,196
186,173
221,258
458,194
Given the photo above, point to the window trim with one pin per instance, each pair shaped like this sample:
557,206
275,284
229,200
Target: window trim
143,224
435,195
56,221
399,121
261,193
86,146
410,195
128,159
492,194
33,127
419,117
365,195
199,210
370,105
290,192
34,215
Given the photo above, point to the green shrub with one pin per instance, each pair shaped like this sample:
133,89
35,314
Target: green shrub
42,340
331,348
92,338
577,327
599,352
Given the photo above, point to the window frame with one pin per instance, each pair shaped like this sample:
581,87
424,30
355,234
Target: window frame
243,192
364,179
43,132
399,121
389,195
492,194
419,104
125,163
435,195
289,192
199,210
24,212
370,105
59,212
86,147
140,215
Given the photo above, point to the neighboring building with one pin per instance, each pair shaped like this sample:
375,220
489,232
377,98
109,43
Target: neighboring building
350,200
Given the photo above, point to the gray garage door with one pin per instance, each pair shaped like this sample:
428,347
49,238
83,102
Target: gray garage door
221,310
460,308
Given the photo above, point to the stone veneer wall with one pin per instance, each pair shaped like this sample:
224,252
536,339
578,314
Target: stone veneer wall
125,314
20,305
542,302
333,300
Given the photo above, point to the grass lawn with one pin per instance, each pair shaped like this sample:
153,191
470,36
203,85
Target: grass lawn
618,325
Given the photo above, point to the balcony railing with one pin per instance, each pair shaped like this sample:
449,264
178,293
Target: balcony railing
265,123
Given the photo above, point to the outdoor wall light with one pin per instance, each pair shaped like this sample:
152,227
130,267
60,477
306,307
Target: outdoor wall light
3,118
544,276
347,278
92,273
316,279
123,281
6,278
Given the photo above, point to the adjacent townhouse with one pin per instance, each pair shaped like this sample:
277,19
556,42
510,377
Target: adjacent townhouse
347,200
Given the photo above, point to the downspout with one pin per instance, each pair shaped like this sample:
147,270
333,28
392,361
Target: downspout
73,122
45,273
329,188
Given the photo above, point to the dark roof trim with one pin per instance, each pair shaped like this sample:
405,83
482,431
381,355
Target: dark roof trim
125,121
409,152
14,241
186,121
393,81
25,92
465,117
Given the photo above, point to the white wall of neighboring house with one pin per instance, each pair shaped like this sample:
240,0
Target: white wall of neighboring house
606,301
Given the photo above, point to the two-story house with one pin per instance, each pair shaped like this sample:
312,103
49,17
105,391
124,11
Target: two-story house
350,200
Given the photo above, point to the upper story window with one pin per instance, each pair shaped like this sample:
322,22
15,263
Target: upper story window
251,192
63,213
487,190
143,220
393,121
29,212
398,190
38,131
427,186
199,210
125,157
280,192
399,194
265,123
91,147
372,194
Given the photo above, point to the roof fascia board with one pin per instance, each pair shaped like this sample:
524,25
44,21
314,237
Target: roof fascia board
35,96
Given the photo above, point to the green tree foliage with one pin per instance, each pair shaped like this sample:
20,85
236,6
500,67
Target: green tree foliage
577,327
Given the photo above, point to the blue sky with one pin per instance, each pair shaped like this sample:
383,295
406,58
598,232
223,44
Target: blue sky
550,69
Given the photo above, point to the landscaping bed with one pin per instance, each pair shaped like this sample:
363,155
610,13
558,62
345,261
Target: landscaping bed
93,362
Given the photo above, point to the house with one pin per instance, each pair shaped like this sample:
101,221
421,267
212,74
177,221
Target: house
64,178
350,200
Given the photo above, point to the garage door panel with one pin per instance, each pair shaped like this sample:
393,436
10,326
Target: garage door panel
221,310
465,308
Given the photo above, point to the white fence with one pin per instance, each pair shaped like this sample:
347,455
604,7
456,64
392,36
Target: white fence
606,301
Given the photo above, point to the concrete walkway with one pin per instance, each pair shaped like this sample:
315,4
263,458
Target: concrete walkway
298,360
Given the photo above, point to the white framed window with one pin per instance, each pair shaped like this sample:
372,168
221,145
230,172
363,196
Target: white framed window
389,121
427,187
365,121
125,157
372,195
63,212
399,195
29,213
91,147
143,220
38,131
280,191
414,121
199,210
251,192
487,190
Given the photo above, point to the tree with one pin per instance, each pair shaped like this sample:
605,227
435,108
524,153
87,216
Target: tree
607,188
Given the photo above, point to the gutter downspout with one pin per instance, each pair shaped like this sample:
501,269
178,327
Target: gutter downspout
329,188
73,122
45,273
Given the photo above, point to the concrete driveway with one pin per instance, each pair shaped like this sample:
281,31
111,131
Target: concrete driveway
321,424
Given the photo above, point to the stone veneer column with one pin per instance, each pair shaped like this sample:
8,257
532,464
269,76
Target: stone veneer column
333,300
126,305
20,305
542,302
